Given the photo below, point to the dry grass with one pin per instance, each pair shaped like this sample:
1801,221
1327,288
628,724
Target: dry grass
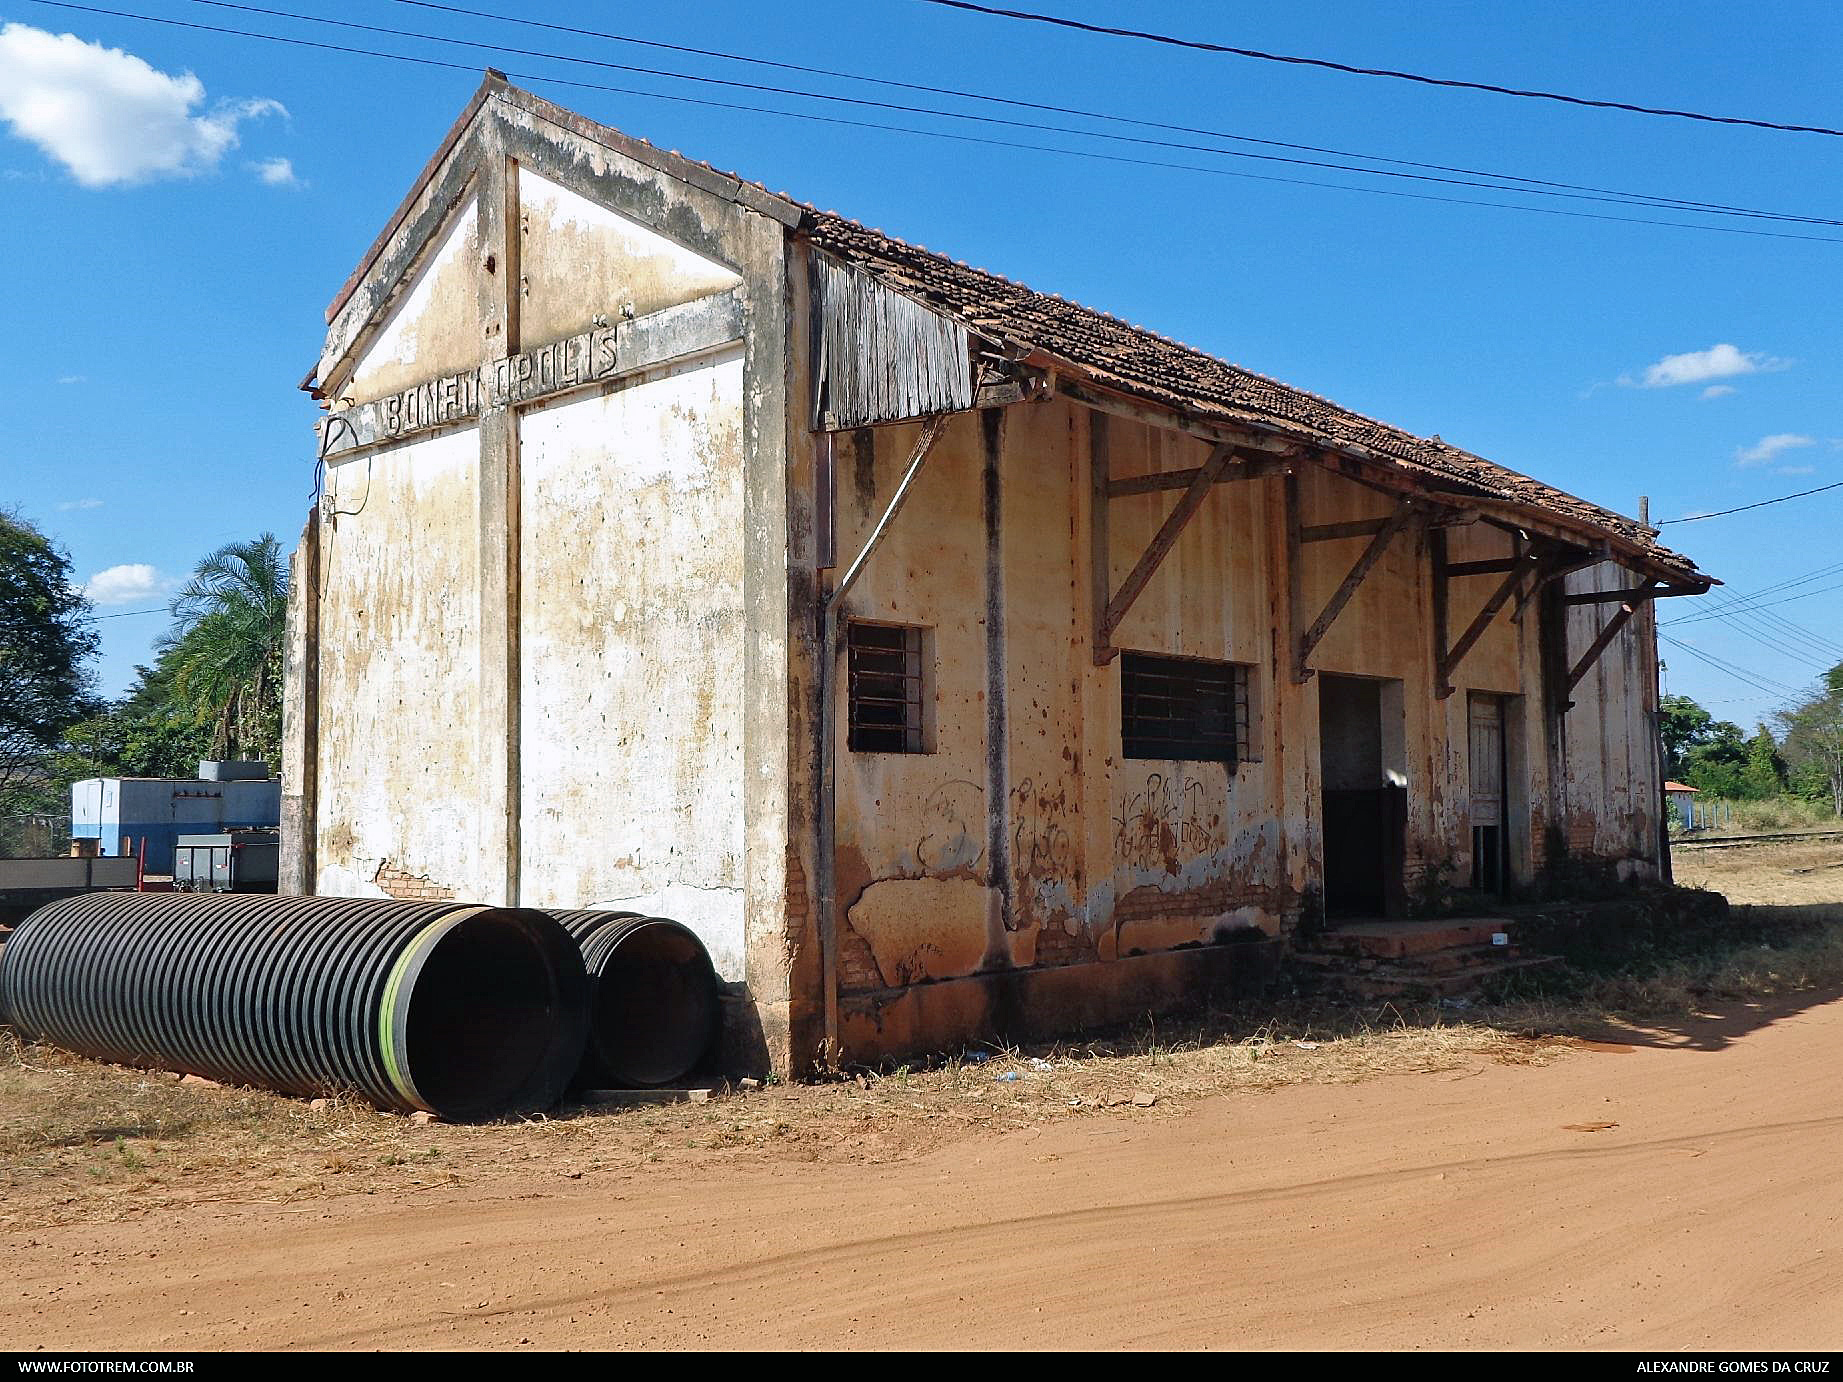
81,1140
1775,813
1778,875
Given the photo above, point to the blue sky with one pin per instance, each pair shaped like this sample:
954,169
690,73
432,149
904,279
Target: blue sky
174,235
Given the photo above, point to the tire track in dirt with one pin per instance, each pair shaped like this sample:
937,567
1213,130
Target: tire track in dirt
1416,1210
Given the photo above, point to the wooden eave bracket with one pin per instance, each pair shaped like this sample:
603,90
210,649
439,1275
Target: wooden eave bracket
1242,466
1559,561
1111,609
1630,601
1001,384
1383,534
1522,563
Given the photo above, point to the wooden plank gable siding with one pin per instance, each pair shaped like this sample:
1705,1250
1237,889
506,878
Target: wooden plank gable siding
879,356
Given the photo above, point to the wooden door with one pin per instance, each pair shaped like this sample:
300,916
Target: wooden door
1487,774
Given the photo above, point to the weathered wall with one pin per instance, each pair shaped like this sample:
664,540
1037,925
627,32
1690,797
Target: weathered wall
1387,631
631,652
300,766
1612,795
579,257
398,672
579,590
1024,839
433,327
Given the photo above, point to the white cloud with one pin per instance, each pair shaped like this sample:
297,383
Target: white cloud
131,583
70,504
109,117
1768,448
69,379
1718,391
1722,361
276,172
1796,470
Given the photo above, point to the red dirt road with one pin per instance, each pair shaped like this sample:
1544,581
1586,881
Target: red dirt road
1452,1210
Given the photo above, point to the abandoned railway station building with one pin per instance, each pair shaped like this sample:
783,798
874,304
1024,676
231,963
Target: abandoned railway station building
952,658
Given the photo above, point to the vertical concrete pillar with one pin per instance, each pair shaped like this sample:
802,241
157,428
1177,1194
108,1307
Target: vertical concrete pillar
1091,463
300,765
1290,740
498,531
999,919
779,587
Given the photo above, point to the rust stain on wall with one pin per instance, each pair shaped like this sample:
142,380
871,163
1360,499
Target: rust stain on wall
923,928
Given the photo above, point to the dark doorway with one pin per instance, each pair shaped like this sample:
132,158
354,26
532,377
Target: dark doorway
1489,802
1365,804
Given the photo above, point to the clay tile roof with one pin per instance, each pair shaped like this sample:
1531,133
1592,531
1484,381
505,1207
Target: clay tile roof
1132,360
1113,353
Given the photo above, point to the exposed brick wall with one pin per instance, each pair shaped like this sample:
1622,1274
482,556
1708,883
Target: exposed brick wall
1538,850
410,887
1056,946
799,906
1211,899
857,967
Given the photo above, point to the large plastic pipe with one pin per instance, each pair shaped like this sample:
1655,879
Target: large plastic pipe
465,1011
655,1010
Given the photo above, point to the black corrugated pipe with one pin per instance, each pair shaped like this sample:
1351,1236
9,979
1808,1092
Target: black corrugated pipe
655,1011
464,1011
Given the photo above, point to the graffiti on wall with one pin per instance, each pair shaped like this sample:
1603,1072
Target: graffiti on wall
1167,821
952,839
1042,843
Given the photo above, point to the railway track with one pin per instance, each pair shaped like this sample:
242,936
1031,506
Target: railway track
1734,841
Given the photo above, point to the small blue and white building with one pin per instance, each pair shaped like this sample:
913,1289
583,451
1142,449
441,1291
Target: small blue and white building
122,812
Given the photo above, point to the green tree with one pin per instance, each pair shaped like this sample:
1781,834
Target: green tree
224,654
1763,776
1682,724
1717,764
46,643
1814,740
146,733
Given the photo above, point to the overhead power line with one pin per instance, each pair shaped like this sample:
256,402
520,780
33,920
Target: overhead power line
1759,681
1016,103
1749,616
987,141
1744,508
1394,74
1758,596
1786,633
1783,600
1757,630
1033,126
130,613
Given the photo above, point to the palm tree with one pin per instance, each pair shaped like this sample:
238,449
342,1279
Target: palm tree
225,649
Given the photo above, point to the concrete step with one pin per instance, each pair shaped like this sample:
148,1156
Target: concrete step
1454,957
1446,984
1397,939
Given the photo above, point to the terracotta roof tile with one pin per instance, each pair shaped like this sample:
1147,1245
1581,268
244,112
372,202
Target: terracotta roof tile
1142,363
1120,355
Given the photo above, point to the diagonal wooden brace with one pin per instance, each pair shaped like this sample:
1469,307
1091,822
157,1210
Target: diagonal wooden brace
1524,565
1372,554
1610,631
1156,553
